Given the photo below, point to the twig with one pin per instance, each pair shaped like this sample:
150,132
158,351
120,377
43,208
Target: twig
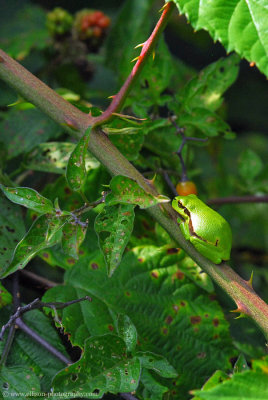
88,206
36,304
239,199
8,344
169,183
128,396
185,139
38,279
26,329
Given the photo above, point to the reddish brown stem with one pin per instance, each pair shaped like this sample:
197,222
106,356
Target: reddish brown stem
147,48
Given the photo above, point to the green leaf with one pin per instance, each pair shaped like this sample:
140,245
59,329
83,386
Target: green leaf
26,129
16,380
17,38
126,329
40,236
28,354
249,384
250,165
29,198
152,388
73,234
157,363
54,156
127,136
195,273
5,296
241,364
206,89
214,380
113,227
164,306
240,25
11,229
209,123
103,367
76,168
130,28
127,191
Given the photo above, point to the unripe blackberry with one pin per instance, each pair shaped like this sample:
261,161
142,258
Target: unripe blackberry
59,22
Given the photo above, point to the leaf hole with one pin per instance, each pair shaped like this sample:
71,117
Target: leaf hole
74,377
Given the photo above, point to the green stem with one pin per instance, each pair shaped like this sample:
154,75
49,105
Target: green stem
76,122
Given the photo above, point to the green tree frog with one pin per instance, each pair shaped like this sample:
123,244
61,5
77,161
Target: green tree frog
207,230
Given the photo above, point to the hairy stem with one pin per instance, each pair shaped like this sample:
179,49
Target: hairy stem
147,49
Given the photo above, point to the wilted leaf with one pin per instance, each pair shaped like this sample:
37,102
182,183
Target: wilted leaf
54,156
73,234
36,239
127,191
29,198
76,167
113,227
103,367
11,229
126,329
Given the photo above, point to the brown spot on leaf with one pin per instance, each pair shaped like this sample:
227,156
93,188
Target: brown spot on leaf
183,304
71,261
169,319
212,297
127,294
155,274
206,315
140,260
94,266
201,355
173,250
45,255
110,327
179,275
196,319
216,322
67,190
165,330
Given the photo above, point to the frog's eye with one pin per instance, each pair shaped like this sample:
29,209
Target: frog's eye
185,188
